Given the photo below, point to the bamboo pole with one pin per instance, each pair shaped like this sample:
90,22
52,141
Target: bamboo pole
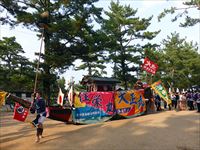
38,63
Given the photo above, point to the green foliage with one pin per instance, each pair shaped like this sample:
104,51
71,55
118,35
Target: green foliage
63,24
165,12
61,83
16,72
178,60
68,31
122,28
80,88
93,56
189,21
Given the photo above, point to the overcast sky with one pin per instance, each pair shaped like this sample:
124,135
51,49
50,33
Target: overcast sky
146,8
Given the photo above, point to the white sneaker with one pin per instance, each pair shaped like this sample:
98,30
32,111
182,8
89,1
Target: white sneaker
41,136
37,140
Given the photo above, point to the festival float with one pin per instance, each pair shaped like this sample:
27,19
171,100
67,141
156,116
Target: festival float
102,101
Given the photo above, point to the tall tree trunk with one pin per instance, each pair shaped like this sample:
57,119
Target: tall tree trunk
47,74
89,69
124,75
47,84
115,66
124,70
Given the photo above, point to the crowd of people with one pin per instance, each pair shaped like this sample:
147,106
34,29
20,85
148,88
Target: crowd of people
189,100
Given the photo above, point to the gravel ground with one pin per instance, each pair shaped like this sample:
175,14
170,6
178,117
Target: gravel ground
167,130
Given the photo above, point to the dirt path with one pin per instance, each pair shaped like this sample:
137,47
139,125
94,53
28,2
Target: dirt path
169,130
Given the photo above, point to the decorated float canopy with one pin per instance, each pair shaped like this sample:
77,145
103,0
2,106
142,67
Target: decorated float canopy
94,83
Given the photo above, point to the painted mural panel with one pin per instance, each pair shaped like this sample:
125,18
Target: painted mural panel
129,103
92,107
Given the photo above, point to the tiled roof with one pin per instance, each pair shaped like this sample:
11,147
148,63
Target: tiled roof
90,79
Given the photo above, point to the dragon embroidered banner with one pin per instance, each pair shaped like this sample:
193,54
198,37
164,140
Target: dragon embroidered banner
129,103
92,107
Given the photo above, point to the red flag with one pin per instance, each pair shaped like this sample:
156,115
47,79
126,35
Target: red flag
20,113
150,66
60,97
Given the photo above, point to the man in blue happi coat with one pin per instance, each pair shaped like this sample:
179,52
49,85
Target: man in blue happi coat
39,107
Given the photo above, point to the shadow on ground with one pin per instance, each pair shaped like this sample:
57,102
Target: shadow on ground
167,130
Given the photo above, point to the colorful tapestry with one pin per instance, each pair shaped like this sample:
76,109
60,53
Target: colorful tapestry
161,91
92,107
129,103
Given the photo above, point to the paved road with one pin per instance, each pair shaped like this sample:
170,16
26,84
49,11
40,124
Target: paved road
167,130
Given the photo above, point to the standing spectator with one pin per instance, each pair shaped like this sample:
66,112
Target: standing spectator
190,100
165,105
179,101
148,95
198,102
195,98
176,99
182,102
158,102
173,98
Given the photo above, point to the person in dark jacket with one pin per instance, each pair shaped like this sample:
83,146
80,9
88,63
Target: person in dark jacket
177,97
158,102
148,94
39,107
189,97
195,98
198,101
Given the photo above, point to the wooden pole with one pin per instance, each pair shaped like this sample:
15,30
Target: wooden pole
38,63
151,79
146,78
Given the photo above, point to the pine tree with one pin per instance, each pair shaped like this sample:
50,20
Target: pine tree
180,12
62,24
123,28
179,64
16,71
